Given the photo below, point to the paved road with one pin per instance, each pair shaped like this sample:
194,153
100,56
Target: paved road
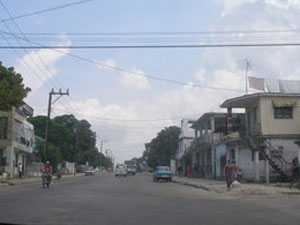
104,199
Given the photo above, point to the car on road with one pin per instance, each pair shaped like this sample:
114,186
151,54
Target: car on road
162,173
121,170
131,169
89,172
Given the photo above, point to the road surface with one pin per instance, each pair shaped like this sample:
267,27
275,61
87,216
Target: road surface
135,200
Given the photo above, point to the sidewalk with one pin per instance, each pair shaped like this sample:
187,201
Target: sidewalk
27,180
244,189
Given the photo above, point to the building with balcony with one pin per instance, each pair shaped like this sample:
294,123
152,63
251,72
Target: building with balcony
16,139
207,147
266,147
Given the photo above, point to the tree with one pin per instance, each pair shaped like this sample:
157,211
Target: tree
71,140
163,147
12,89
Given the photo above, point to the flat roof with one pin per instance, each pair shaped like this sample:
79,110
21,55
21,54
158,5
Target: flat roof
243,101
208,115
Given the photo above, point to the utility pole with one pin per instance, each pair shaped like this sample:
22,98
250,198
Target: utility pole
248,67
50,103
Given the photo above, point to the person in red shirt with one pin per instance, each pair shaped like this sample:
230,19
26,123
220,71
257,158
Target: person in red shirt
48,169
188,171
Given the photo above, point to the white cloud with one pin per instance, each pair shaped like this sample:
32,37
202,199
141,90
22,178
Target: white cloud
200,74
108,62
136,81
132,81
223,68
231,5
38,67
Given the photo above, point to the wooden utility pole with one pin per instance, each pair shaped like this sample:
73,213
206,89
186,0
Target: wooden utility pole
50,103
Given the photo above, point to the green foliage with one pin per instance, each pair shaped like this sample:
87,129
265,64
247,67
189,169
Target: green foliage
12,89
70,140
162,148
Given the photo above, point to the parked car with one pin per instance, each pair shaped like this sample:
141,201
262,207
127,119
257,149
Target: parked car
121,170
131,169
162,173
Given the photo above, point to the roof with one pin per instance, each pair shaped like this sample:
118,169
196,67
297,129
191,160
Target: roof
243,101
208,115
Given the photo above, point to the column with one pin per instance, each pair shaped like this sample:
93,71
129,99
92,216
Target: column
256,160
206,132
227,154
212,127
229,120
267,167
10,161
237,155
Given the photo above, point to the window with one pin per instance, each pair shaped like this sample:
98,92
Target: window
283,112
3,128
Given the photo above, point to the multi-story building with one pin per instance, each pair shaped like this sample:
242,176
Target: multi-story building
186,136
271,138
208,152
16,139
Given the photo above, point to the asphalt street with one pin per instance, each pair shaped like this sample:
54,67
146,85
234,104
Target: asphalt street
104,199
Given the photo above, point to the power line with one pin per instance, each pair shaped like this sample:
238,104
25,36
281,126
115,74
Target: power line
127,70
131,120
45,10
35,53
170,32
152,46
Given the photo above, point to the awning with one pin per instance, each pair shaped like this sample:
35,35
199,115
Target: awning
284,103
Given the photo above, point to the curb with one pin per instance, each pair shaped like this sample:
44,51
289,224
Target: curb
11,183
205,188
193,185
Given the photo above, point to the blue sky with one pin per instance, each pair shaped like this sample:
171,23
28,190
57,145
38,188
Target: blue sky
103,93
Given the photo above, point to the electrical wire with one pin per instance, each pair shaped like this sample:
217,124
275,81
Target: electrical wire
91,47
169,32
132,120
130,71
45,10
35,53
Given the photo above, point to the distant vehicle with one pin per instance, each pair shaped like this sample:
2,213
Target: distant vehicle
121,170
89,172
162,173
131,169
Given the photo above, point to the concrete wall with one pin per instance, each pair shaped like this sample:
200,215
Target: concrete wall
183,146
273,126
248,165
286,146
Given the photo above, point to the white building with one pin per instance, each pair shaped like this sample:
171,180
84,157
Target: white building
186,136
16,139
272,135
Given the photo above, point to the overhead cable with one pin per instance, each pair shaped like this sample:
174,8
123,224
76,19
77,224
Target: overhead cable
129,71
45,10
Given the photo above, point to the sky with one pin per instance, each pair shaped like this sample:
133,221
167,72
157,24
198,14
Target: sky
128,110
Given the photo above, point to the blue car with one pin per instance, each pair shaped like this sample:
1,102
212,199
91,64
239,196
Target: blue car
162,173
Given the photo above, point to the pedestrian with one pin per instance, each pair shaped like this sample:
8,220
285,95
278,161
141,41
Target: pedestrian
179,171
188,171
295,172
230,172
20,170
